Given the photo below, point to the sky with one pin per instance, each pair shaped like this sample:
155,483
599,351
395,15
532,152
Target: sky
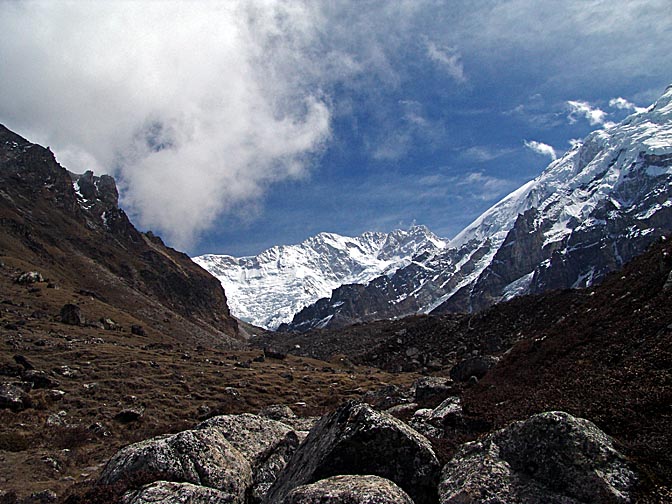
234,126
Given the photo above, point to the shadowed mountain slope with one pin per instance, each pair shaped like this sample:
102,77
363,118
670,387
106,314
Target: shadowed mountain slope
70,229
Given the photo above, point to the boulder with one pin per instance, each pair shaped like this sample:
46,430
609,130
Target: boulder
349,490
71,314
431,388
202,457
473,366
355,439
266,444
13,397
551,457
170,492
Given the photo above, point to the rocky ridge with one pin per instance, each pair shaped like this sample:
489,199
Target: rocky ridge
70,228
588,213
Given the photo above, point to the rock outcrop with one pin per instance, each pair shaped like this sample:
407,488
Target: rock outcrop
551,457
349,490
355,439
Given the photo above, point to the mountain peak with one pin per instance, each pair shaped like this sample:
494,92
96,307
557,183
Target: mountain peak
269,288
586,214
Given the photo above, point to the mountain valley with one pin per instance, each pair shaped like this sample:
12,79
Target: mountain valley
541,333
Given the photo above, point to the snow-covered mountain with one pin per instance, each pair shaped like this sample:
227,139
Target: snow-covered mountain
589,212
268,289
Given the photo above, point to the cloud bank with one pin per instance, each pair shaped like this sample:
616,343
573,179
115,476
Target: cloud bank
198,108
190,106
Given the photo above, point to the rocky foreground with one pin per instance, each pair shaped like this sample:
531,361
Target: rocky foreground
357,455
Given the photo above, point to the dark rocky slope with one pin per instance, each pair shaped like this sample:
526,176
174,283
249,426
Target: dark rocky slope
69,227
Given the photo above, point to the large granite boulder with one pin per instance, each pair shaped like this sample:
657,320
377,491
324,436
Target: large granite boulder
349,490
551,457
266,444
355,439
170,492
202,457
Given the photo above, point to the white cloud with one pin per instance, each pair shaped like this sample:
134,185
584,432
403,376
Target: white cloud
449,58
196,108
594,115
485,153
623,104
483,187
541,148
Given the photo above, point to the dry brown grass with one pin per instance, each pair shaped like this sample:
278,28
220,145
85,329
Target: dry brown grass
105,371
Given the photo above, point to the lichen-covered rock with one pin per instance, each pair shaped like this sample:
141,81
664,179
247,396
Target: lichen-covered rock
266,444
551,457
349,490
251,435
30,277
170,492
203,457
355,439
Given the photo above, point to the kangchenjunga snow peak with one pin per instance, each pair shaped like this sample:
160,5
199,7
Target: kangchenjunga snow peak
268,289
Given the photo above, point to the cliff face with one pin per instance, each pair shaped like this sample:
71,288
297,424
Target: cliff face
72,227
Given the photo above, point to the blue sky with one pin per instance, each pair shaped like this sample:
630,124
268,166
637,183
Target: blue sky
235,126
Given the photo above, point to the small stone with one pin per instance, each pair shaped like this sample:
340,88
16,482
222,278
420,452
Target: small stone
13,397
30,277
278,412
40,379
138,330
430,388
109,324
129,415
22,361
473,366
